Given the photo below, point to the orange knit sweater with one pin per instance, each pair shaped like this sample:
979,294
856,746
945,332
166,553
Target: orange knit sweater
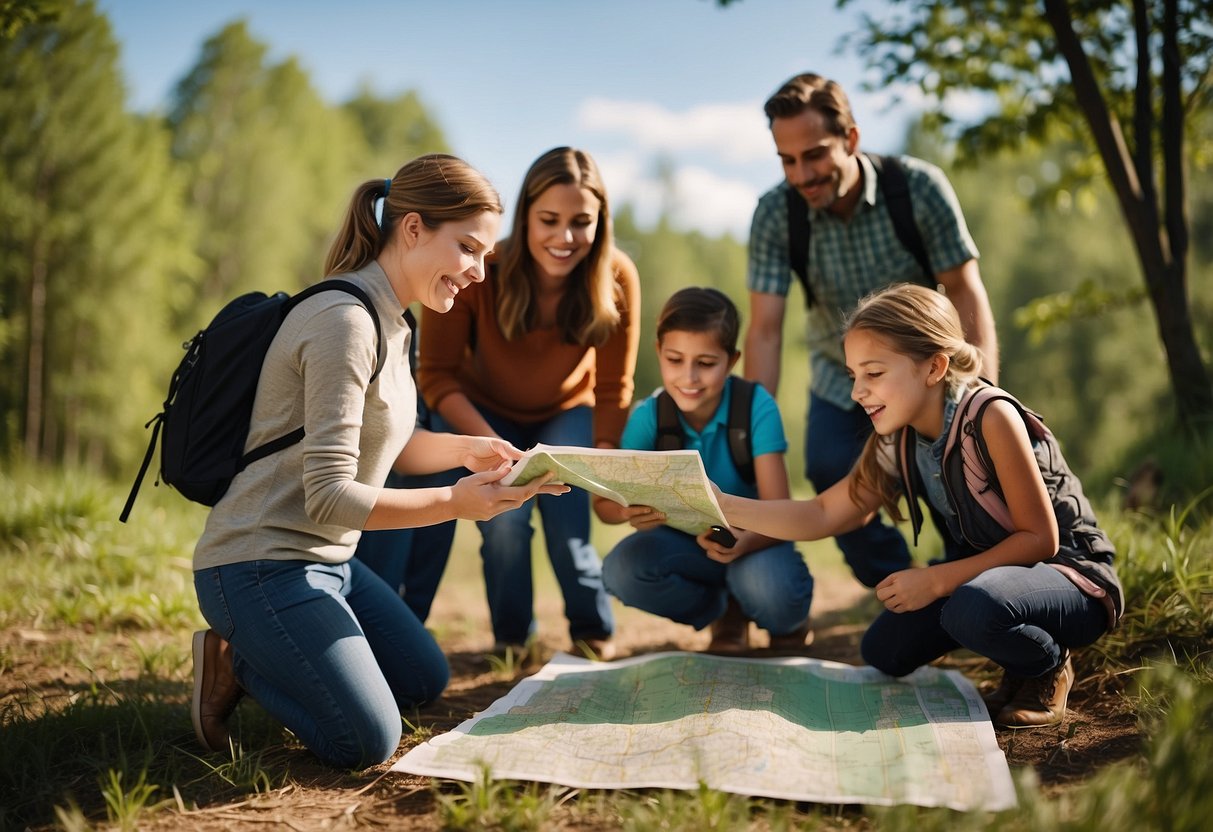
538,375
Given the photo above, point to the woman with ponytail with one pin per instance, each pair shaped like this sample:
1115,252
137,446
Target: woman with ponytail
323,644
1032,577
545,353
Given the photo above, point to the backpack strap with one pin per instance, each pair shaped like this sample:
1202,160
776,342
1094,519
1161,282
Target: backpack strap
911,478
741,407
980,480
670,436
799,230
286,440
891,179
669,430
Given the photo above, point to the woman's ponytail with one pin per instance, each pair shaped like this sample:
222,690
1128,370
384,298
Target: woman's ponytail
437,186
360,239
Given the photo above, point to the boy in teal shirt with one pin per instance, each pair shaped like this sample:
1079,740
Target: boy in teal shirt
697,580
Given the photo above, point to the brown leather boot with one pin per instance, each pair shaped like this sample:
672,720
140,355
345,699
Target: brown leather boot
730,632
216,690
997,699
1040,700
792,642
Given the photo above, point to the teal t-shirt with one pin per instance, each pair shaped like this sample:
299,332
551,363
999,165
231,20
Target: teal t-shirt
766,436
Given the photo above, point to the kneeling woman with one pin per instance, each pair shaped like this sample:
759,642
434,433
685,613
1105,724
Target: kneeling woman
314,636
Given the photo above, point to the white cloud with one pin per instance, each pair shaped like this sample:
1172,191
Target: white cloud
695,197
713,204
737,133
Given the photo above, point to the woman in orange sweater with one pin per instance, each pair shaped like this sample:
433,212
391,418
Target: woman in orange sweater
545,352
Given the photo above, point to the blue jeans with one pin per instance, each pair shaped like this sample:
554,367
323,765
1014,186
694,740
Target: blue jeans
411,560
329,650
665,572
833,440
1021,617
506,543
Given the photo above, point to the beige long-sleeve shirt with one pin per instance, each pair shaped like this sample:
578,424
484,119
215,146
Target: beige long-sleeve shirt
311,500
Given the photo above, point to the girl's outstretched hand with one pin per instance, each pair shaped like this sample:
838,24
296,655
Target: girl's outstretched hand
481,496
907,590
486,453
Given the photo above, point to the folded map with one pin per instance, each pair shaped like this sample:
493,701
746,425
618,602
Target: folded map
673,482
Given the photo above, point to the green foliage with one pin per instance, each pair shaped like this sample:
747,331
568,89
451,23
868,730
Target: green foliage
108,735
667,261
122,234
508,663
501,805
1087,300
244,770
1166,568
86,196
1172,788
266,199
700,810
17,14
60,543
1114,80
1076,343
1010,53
394,129
125,805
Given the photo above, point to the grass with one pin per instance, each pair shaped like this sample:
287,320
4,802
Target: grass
95,728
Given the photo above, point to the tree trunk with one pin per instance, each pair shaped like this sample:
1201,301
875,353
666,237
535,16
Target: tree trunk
35,356
1164,269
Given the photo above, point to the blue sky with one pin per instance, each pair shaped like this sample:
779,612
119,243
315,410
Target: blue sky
641,84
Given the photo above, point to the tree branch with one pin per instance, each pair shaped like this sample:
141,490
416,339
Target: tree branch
1143,103
1173,137
1141,216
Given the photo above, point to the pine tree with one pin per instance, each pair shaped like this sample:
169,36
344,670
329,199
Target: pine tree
395,130
90,237
268,169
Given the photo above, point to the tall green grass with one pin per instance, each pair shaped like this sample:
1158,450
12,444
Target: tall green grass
94,728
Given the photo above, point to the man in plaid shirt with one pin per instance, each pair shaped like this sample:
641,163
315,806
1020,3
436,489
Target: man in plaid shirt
854,249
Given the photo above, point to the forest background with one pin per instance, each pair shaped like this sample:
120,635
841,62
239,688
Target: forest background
121,233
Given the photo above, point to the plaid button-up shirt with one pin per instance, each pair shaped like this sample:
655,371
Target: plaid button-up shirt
849,259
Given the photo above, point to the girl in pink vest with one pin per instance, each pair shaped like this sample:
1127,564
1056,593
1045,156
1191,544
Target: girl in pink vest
1022,594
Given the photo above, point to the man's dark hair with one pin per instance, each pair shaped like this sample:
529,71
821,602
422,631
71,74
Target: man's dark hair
809,91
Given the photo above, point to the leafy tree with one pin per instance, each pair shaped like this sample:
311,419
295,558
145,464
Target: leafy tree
1121,77
16,14
268,169
394,129
90,227
667,261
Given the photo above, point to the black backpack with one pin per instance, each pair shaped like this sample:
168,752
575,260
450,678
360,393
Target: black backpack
891,179
204,422
670,436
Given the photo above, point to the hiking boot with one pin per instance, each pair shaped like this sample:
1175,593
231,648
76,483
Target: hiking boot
598,649
216,690
997,699
730,632
1040,700
802,636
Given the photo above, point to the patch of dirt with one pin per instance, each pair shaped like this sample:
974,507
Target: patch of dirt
1099,729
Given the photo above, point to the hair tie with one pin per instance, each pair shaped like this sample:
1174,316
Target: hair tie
381,204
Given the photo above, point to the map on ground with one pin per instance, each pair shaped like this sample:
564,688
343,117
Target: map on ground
673,482
794,728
